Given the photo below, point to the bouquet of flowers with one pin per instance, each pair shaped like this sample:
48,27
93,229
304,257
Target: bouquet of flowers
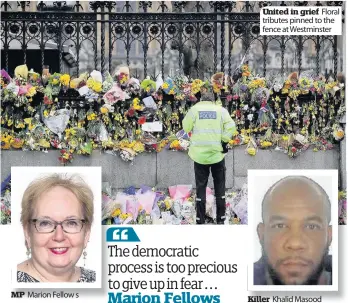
5,203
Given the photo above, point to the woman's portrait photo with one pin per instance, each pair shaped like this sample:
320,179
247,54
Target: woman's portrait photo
57,210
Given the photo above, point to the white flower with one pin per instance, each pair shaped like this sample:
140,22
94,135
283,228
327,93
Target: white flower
109,107
13,88
246,107
97,76
277,87
250,117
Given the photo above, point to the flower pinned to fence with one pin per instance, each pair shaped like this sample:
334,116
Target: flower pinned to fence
122,78
136,104
338,132
54,79
141,120
245,70
148,86
65,80
21,72
115,94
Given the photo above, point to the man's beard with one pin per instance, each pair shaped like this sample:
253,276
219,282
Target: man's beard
313,278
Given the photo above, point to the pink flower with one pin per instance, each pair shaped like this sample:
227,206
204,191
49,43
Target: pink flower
23,90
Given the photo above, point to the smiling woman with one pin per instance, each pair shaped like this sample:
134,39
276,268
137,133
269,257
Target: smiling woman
57,214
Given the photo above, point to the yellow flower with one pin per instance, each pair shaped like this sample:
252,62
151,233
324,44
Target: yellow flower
45,113
175,144
244,67
116,212
20,125
97,87
265,144
74,83
104,110
90,83
17,143
44,143
232,142
138,132
21,71
341,195
165,85
138,147
124,216
91,116
55,81
31,92
65,79
171,92
5,142
251,151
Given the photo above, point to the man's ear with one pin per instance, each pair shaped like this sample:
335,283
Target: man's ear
260,231
329,236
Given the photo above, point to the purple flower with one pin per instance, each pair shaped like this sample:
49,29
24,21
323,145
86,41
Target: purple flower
243,87
5,75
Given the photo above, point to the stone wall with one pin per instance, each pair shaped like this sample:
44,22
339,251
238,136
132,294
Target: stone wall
171,168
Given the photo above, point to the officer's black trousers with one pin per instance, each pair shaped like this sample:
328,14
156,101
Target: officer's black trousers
218,171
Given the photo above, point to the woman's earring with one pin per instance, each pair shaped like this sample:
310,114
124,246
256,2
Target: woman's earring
28,253
84,258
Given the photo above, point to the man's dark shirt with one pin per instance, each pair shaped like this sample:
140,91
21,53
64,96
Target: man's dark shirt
260,271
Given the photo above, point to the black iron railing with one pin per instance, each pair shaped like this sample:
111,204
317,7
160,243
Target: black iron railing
215,32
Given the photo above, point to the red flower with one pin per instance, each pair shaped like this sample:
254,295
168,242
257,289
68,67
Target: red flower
293,149
131,112
81,84
62,151
141,120
47,100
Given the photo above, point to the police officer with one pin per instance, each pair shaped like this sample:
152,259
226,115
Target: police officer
212,128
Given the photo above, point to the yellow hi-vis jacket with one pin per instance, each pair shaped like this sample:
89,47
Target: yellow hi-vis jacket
210,124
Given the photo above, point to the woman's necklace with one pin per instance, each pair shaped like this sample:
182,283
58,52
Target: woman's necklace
42,278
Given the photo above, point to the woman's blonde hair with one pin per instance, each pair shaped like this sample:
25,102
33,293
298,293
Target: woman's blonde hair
74,183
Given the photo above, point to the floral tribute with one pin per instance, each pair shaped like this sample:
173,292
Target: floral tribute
122,115
174,207
5,204
342,208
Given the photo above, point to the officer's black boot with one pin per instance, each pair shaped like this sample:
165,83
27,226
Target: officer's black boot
220,210
200,205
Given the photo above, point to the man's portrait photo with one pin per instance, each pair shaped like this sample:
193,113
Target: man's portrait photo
294,231
56,212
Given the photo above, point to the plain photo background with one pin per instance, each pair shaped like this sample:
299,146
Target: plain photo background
20,179
259,181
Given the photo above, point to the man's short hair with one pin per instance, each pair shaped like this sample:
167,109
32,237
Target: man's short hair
309,181
207,95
